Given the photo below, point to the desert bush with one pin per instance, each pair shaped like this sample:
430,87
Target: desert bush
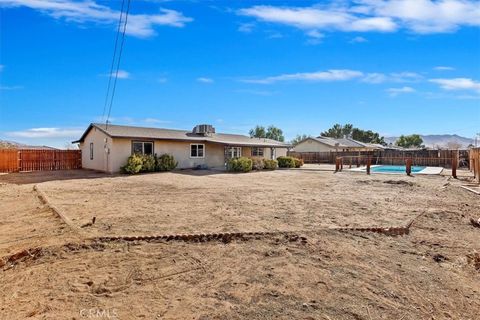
270,164
298,162
241,164
148,163
165,162
134,164
286,162
257,163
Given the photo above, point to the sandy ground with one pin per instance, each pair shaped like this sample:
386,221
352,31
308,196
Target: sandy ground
199,201
428,274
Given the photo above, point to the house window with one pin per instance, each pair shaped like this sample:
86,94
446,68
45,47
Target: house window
197,151
142,147
91,150
233,152
257,152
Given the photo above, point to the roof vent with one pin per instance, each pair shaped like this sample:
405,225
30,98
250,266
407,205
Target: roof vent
204,129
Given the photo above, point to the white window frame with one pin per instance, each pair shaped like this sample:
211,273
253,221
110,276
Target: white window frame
197,144
234,150
143,146
257,153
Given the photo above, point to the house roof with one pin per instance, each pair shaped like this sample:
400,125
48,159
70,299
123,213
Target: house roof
345,143
328,141
117,131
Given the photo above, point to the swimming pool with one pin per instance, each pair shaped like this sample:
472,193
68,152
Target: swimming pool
395,169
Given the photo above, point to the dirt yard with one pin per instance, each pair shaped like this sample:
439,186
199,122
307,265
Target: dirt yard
304,269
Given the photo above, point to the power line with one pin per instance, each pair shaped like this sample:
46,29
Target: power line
118,62
113,61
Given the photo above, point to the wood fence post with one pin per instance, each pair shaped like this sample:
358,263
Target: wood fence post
19,157
341,164
408,168
454,167
337,165
368,165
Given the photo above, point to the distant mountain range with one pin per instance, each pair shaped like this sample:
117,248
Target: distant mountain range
440,140
10,144
6,144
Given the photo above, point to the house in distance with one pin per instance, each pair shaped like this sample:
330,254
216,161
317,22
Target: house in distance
107,147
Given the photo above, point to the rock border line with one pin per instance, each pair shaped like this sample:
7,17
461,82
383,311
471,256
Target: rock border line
225,237
222,236
228,236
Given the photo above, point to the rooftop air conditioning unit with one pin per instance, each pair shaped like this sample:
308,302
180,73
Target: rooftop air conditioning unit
204,129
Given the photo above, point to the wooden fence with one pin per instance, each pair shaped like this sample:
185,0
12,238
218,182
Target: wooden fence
474,160
13,160
433,158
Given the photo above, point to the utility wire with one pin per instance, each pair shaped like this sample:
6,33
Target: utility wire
110,75
118,63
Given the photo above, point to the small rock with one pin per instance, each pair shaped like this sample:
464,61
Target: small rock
439,258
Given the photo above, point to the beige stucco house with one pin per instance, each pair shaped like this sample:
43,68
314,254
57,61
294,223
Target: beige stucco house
107,147
326,144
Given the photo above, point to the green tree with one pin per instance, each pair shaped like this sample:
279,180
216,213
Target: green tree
298,138
367,136
271,132
338,131
410,141
258,132
348,130
275,133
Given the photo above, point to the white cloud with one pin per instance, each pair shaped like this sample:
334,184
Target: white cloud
443,68
162,80
154,121
315,34
308,18
457,84
329,75
405,76
396,91
375,78
205,80
358,40
131,121
139,25
399,77
426,16
122,74
246,27
418,16
1,67
46,133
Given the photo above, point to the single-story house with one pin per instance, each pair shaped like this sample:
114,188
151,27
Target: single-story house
326,144
107,147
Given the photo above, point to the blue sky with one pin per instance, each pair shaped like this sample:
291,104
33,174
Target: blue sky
396,67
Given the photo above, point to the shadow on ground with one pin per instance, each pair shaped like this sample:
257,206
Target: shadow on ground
44,176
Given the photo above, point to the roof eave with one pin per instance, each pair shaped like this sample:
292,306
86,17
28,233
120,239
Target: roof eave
82,138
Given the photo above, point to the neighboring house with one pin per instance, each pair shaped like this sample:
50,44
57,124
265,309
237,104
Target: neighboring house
107,148
326,144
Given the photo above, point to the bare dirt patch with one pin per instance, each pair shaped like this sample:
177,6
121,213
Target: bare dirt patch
320,274
280,200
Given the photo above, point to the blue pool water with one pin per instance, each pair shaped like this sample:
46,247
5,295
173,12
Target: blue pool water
395,169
